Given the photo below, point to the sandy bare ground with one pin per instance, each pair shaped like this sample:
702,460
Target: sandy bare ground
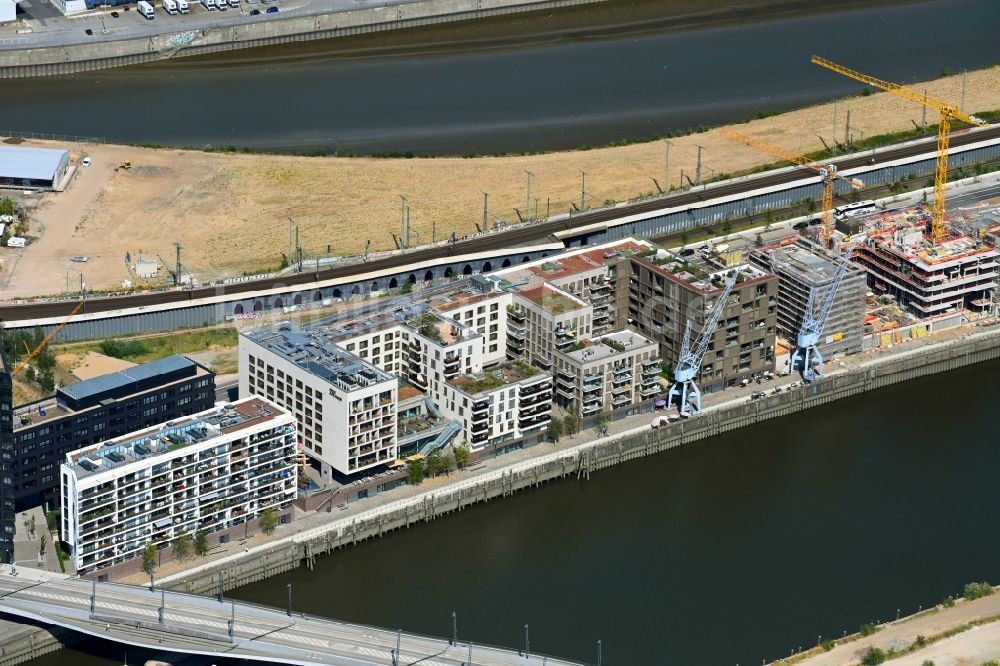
93,364
230,212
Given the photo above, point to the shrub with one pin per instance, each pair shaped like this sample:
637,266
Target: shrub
948,601
123,348
827,645
873,657
927,662
867,629
977,590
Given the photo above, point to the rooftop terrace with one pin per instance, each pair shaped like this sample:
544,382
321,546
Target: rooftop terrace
504,374
171,436
551,300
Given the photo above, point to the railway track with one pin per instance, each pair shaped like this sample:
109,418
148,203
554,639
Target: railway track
491,243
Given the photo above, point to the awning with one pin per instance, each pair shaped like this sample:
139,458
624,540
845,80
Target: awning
660,403
162,522
210,496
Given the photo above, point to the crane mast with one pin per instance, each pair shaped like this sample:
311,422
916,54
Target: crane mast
684,388
806,353
947,111
827,172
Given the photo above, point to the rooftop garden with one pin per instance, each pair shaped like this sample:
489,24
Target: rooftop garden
493,379
614,344
554,302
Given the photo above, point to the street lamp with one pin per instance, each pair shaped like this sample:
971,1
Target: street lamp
527,645
289,600
454,628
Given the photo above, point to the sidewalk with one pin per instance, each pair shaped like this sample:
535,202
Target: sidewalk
26,543
257,543
972,647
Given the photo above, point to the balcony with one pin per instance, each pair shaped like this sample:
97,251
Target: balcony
566,392
648,391
651,363
593,380
531,422
515,314
592,408
515,331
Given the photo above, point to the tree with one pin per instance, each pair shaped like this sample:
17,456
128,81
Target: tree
268,521
571,424
31,525
201,543
434,463
603,419
555,429
462,454
149,557
406,288
182,546
415,473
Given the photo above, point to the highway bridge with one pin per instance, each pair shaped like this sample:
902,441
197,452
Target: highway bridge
189,624
490,251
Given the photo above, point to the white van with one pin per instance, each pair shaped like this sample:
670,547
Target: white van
235,4
146,10
182,6
15,241
170,6
208,4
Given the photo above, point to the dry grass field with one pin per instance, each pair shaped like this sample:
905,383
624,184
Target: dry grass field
231,211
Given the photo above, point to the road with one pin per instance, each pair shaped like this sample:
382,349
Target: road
50,28
480,244
194,624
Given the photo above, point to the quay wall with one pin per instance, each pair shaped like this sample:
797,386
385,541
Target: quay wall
74,58
23,642
581,461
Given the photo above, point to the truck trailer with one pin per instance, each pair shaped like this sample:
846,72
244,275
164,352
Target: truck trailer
170,6
146,10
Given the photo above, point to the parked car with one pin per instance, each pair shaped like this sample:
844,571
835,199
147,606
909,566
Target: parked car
79,258
114,14
254,12
86,161
88,31
272,10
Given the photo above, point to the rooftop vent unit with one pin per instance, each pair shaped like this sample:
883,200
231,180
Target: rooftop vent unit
115,457
87,465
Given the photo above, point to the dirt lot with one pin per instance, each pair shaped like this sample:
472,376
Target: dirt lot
230,212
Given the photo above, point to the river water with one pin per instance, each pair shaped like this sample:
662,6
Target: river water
730,551
539,83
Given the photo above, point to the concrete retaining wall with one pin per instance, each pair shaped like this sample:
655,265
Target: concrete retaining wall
580,462
26,642
102,55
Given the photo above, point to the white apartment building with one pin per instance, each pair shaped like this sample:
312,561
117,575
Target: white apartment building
345,406
482,306
607,373
507,402
209,471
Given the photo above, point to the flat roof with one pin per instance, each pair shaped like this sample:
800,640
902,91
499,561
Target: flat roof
171,436
509,372
28,162
312,352
598,349
95,386
552,300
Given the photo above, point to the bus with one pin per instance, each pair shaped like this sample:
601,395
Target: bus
854,210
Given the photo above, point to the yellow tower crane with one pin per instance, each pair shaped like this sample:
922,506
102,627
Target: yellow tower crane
828,172
38,350
948,112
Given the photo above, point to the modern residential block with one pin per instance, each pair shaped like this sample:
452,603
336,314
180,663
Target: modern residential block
607,373
345,407
504,403
7,515
97,409
666,291
210,471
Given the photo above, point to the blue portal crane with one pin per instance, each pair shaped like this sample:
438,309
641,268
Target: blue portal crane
806,354
685,389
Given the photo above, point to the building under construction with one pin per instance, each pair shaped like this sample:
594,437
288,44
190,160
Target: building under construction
928,279
803,266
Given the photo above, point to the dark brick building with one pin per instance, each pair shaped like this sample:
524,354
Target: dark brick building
95,410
